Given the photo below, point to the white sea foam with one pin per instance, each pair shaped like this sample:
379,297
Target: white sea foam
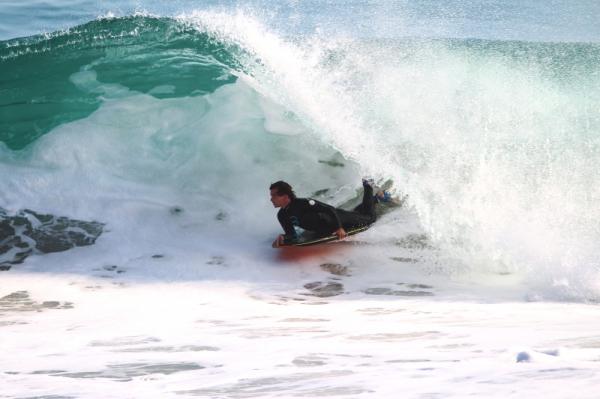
183,305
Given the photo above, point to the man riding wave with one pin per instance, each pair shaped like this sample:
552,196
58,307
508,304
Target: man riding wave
312,215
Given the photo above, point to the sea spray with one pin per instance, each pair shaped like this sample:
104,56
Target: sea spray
495,143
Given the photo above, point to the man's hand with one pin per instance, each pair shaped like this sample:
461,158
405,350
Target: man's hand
278,241
341,233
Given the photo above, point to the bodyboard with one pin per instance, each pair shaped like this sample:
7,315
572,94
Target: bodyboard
309,238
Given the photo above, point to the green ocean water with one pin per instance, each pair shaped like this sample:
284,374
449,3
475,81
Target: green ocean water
142,53
139,53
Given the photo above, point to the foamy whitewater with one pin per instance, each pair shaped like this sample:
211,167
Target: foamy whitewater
137,145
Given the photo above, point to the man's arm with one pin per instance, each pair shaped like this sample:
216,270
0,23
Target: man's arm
288,228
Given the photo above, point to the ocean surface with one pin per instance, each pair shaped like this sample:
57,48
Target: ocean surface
138,140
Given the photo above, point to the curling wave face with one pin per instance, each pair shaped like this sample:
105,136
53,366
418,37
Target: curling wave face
496,143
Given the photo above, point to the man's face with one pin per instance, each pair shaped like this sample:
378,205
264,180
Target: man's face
279,200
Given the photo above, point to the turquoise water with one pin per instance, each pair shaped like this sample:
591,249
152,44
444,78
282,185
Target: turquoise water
136,52
486,114
144,52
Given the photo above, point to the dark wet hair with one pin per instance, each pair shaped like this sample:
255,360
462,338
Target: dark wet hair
283,189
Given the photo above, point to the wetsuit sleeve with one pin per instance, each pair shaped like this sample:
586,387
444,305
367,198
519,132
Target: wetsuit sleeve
288,227
320,207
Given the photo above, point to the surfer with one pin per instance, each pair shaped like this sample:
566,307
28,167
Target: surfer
316,216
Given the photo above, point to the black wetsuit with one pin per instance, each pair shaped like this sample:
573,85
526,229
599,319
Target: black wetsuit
313,215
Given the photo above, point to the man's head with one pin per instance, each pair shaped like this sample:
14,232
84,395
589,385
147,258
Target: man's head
281,194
